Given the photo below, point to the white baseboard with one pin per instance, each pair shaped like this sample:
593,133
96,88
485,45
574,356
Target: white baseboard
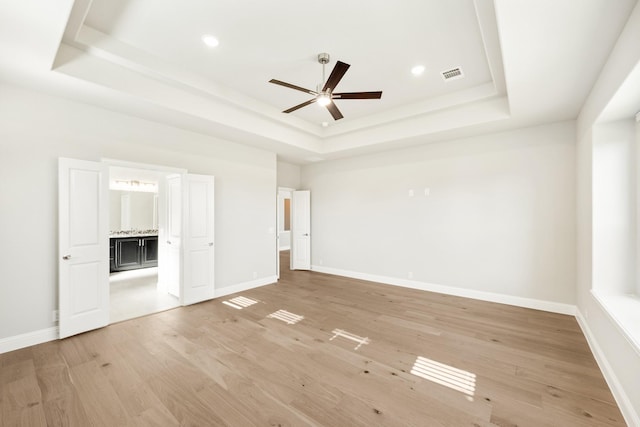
245,286
630,414
28,339
551,306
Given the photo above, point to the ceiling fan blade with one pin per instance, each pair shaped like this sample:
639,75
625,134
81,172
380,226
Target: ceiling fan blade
333,109
335,76
290,86
357,95
304,104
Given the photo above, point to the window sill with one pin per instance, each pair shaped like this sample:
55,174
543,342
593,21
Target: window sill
624,310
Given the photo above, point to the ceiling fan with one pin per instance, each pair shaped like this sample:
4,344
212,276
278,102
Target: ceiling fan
325,96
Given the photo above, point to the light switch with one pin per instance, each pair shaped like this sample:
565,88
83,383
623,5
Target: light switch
411,194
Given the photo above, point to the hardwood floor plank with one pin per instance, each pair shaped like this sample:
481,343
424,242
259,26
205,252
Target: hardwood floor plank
22,403
59,396
98,398
578,407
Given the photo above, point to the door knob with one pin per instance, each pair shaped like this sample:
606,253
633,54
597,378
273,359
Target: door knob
168,242
66,257
306,234
210,243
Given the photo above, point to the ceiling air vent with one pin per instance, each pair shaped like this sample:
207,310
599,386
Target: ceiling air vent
452,74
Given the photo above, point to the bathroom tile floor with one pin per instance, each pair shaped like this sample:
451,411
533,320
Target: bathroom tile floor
134,293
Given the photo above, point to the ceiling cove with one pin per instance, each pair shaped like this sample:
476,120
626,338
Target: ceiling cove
446,69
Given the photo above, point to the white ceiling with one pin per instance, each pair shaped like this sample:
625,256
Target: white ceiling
525,62
260,42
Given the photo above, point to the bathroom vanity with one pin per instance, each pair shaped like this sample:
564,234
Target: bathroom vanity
132,250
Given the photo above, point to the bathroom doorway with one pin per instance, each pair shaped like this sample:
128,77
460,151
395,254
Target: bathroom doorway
185,239
135,212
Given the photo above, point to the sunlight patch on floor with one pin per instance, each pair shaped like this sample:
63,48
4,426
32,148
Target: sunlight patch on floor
286,317
240,302
448,376
348,335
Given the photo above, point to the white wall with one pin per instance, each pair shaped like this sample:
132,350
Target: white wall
499,217
288,175
115,210
618,358
614,207
607,256
36,129
636,167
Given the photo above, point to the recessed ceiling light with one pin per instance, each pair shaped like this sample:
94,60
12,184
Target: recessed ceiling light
210,40
417,70
324,124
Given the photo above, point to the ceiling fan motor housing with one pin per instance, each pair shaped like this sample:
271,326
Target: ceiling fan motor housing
323,58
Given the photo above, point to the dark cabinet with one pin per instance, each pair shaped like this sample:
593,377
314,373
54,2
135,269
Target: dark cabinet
131,253
149,255
112,255
128,253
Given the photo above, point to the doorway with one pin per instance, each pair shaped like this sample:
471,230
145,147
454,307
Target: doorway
294,228
185,239
284,218
283,214
134,217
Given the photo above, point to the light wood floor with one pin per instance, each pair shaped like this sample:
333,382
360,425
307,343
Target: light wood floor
315,349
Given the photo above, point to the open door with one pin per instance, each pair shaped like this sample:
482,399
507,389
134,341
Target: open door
170,246
198,210
278,231
301,230
83,263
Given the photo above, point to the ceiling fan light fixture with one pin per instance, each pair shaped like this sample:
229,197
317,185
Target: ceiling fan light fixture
323,99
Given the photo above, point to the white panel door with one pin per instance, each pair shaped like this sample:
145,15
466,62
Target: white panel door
198,239
301,230
83,246
169,266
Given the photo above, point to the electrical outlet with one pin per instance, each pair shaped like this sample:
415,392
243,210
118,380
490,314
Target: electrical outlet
410,275
54,316
427,192
411,193
255,274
